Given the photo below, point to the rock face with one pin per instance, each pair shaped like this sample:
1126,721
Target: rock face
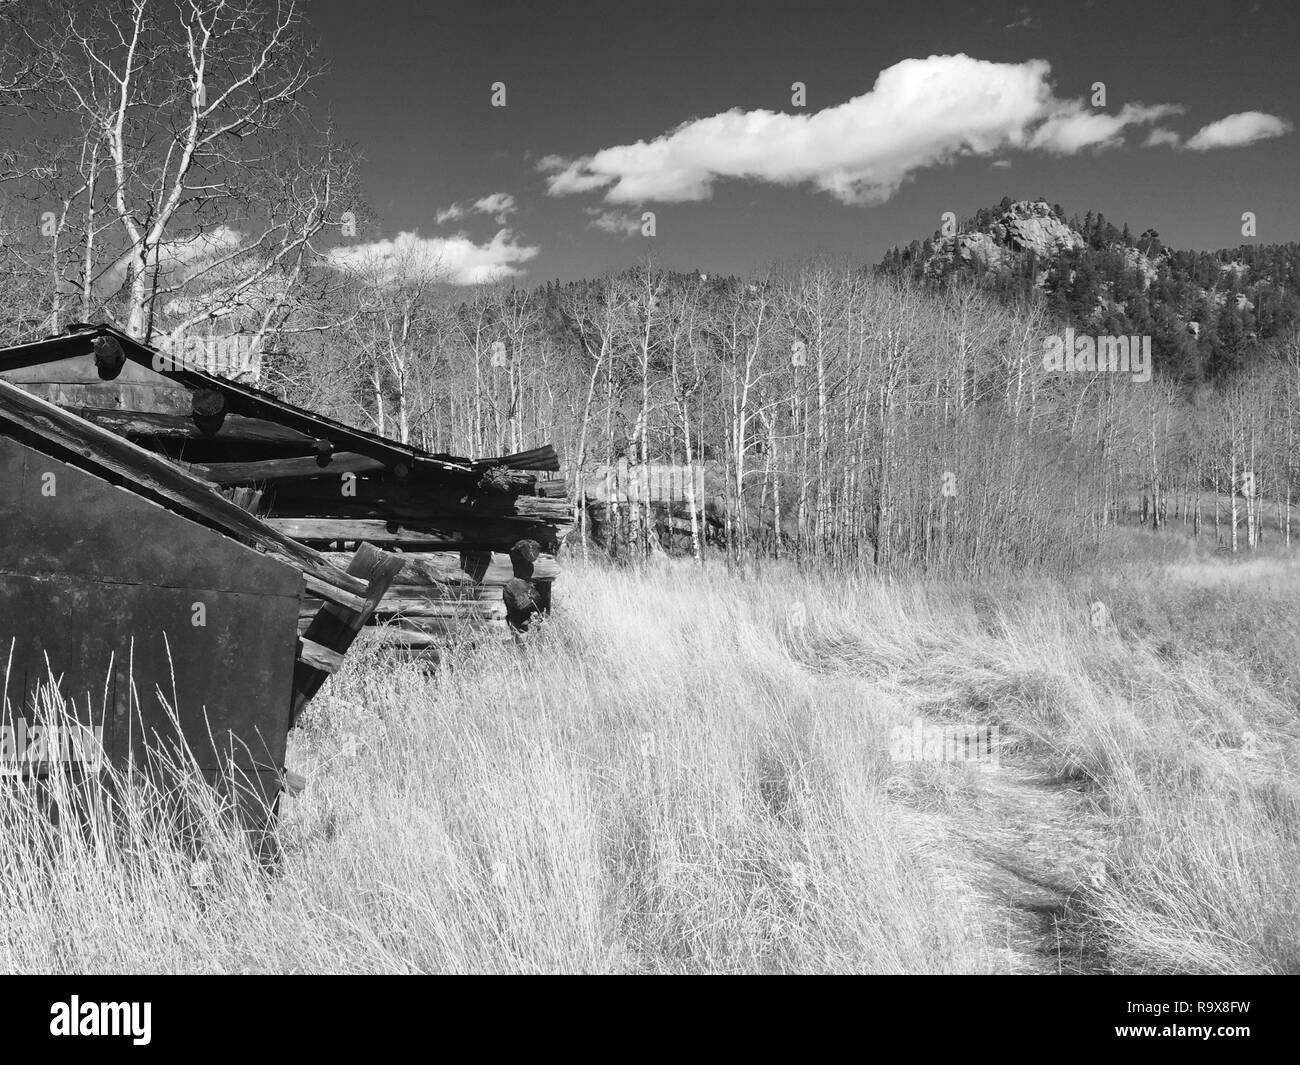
982,248
1031,227
1024,228
1139,262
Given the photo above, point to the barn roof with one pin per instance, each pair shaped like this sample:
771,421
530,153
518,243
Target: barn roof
245,401
47,428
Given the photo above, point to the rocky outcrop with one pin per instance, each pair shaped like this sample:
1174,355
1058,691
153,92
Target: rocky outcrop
1026,228
1032,227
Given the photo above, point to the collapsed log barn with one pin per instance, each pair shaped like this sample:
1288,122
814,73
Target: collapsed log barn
478,537
155,606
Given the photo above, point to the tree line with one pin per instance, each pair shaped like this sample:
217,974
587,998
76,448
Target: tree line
840,415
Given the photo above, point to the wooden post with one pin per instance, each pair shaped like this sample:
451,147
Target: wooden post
523,595
521,603
522,556
335,627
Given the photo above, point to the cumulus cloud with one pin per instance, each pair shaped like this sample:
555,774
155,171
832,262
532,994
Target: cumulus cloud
920,113
176,259
1235,131
500,205
1072,127
567,174
456,260
617,222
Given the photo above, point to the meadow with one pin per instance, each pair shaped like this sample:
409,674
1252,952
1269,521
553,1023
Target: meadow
689,770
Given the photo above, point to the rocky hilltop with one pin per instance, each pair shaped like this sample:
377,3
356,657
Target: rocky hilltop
1207,312
1025,235
1025,228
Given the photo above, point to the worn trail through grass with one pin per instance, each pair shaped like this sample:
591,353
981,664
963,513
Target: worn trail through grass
671,776
1028,846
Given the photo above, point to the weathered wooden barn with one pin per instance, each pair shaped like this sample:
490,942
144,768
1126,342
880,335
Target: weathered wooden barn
153,605
478,537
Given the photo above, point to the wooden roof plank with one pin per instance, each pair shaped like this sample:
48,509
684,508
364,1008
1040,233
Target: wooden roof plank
235,427
241,399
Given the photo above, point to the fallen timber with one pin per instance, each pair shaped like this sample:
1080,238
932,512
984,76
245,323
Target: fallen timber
464,527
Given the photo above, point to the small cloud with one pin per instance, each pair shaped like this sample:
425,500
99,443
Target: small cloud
203,246
567,175
616,222
1001,164
1162,136
1236,131
456,260
175,259
1073,127
500,205
1025,22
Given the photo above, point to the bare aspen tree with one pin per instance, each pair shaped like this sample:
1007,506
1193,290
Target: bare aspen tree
195,115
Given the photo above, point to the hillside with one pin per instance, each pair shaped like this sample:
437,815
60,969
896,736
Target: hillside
1208,313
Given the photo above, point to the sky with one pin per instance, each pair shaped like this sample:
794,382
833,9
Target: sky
911,110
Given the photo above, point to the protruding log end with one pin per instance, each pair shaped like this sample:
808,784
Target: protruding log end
209,410
523,555
109,357
521,603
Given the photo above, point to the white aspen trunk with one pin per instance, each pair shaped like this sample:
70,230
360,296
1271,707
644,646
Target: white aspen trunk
580,474
1252,505
377,385
1233,490
692,503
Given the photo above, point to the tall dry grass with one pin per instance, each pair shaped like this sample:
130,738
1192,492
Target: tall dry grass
668,777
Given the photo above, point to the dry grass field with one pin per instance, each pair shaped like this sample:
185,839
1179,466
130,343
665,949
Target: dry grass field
674,775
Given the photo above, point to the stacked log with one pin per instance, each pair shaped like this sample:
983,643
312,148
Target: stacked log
479,556
438,593
477,537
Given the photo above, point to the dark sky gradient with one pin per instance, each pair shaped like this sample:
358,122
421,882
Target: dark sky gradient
409,85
